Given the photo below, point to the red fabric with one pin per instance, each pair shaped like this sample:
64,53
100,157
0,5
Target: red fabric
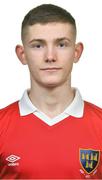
48,152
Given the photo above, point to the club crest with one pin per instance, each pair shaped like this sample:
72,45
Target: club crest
89,159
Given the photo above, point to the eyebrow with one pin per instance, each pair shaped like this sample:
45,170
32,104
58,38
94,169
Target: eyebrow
38,40
63,38
43,40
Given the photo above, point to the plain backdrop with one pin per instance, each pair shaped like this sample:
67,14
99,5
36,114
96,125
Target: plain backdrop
87,74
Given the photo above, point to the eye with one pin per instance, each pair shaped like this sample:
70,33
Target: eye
37,46
62,44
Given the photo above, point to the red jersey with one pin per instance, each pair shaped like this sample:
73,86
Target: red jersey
31,149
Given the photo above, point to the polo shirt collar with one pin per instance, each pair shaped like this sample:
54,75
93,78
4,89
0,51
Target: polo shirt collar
75,109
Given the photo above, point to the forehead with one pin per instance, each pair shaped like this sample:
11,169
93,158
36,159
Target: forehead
50,31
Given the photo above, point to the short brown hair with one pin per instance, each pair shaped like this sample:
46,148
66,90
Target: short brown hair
47,13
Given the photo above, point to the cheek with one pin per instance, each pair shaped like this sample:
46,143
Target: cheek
33,66
70,54
32,63
68,67
35,58
32,59
67,54
67,62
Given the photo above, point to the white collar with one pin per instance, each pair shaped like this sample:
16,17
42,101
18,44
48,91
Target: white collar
75,109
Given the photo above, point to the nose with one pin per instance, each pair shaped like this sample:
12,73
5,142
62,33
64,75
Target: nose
50,54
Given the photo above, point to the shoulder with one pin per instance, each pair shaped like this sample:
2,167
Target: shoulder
8,116
92,109
8,113
10,109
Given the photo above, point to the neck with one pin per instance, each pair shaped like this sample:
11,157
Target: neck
51,101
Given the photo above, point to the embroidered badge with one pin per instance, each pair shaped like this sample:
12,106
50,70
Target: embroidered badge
89,159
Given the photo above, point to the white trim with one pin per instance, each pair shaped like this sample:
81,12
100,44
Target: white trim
75,109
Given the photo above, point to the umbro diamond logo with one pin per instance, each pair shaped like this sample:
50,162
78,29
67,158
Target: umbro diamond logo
12,159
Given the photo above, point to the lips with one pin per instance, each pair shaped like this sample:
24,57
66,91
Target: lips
51,69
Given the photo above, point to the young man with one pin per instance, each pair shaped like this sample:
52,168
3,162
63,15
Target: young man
51,133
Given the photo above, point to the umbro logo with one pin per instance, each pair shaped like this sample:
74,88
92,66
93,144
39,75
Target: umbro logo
12,160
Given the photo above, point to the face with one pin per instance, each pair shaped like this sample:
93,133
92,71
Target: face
50,51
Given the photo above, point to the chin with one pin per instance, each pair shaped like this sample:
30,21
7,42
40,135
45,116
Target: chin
51,84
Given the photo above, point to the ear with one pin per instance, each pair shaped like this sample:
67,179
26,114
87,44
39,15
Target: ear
78,51
20,54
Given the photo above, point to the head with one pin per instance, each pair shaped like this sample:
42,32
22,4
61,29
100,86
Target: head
49,45
47,13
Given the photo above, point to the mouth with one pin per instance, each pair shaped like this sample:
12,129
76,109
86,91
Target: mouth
51,69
